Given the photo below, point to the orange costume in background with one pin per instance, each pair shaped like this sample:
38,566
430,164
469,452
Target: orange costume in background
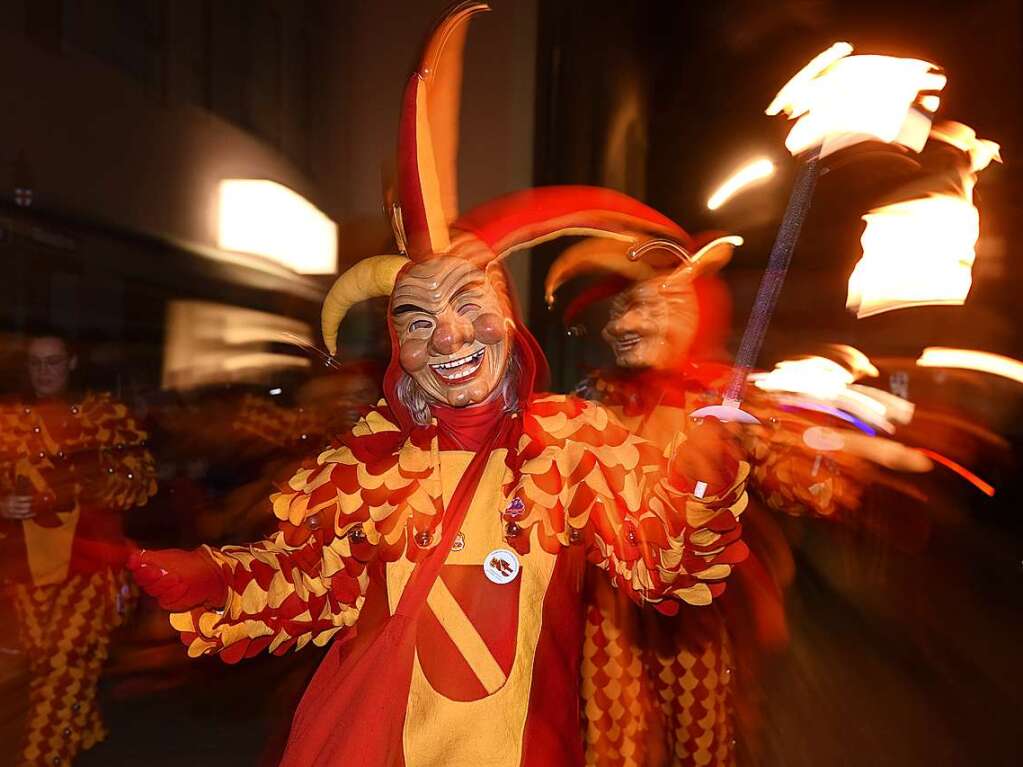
680,695
84,464
662,691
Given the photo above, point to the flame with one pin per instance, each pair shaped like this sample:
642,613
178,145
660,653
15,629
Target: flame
857,362
745,177
920,252
821,384
838,100
915,253
981,151
969,359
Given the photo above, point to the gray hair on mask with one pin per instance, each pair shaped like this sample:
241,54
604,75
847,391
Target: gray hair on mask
411,395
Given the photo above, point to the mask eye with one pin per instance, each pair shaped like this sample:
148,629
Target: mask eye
419,325
468,308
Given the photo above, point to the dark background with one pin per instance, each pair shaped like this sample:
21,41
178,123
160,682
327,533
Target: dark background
120,114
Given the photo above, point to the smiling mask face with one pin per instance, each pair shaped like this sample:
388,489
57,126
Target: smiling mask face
653,324
453,330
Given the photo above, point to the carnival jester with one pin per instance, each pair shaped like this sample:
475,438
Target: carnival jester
440,545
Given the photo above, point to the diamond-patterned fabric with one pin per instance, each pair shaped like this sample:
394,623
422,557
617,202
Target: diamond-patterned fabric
65,631
654,692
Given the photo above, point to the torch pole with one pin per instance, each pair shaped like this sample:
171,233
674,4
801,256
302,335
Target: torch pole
766,300
774,278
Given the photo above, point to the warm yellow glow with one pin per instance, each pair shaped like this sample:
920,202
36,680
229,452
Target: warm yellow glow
826,382
270,220
815,376
745,177
982,151
920,252
915,253
838,100
930,102
969,359
857,362
209,343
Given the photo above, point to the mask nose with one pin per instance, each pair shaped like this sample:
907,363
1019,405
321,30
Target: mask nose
451,334
615,327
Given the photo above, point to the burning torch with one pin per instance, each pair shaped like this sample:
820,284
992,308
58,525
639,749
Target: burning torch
837,101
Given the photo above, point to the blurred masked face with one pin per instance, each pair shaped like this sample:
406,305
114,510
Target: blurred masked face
453,331
49,366
652,324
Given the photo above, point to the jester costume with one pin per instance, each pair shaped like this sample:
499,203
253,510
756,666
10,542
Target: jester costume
676,701
440,546
84,464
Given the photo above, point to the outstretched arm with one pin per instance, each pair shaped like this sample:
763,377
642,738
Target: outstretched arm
308,581
303,584
638,512
241,600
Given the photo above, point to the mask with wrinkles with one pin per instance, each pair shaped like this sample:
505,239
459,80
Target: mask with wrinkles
653,323
453,330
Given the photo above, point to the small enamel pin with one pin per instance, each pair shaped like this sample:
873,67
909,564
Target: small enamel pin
501,566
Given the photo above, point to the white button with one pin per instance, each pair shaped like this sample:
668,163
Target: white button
501,566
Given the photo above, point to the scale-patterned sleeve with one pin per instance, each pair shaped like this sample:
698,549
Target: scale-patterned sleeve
113,462
587,480
309,581
791,476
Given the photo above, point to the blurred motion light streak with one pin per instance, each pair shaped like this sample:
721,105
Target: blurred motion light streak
745,177
209,343
825,382
268,219
985,487
839,100
969,359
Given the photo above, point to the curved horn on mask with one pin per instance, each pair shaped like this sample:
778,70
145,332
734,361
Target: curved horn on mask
428,136
370,278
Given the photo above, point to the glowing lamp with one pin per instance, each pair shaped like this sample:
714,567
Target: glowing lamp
270,220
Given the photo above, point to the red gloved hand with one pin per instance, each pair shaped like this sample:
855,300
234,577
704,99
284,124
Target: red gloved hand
710,454
179,579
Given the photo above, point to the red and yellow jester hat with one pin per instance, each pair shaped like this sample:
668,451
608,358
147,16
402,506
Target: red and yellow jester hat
426,219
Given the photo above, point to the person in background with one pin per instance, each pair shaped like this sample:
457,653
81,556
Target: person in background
71,464
676,699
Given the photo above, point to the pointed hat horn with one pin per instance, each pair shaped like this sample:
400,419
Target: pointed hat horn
428,136
594,254
370,278
631,260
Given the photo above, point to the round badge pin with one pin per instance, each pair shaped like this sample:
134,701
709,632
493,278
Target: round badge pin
501,566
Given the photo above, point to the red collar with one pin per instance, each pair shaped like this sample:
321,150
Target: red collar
466,428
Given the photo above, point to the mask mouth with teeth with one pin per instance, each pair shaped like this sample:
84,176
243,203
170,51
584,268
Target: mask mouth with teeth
453,332
651,326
